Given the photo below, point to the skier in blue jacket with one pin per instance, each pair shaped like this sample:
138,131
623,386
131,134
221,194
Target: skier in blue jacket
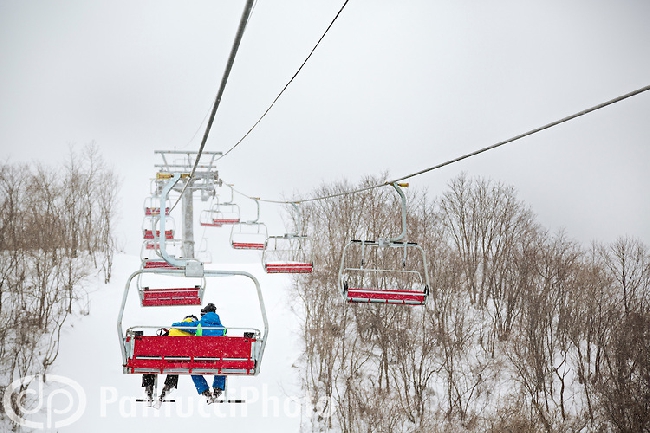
209,319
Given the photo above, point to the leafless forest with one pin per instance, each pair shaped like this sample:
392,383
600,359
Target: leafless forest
55,229
524,330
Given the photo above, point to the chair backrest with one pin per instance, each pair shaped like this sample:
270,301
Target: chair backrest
191,355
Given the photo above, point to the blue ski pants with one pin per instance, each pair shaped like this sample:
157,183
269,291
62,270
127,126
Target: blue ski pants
201,384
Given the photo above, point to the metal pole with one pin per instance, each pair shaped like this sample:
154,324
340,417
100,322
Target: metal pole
188,221
398,188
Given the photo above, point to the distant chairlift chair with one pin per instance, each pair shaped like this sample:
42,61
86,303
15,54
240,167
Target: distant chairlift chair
221,214
249,235
290,253
152,206
388,271
151,227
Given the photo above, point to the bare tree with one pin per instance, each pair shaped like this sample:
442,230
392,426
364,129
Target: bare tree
623,376
49,240
523,331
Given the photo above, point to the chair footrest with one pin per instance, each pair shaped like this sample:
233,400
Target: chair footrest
289,268
165,297
410,297
247,246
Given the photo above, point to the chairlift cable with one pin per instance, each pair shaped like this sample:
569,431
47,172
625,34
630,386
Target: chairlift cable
460,158
197,130
224,80
288,83
531,132
208,111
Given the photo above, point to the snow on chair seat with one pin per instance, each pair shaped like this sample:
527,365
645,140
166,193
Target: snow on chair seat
410,297
288,268
175,296
191,355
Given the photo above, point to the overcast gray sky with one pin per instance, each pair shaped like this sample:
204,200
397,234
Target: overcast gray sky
395,86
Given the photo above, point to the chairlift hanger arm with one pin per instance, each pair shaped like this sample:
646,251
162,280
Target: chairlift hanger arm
191,266
398,188
232,195
298,231
257,202
163,199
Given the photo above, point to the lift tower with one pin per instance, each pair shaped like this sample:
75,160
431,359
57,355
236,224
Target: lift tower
204,180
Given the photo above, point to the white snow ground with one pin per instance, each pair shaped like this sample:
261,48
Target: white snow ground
90,355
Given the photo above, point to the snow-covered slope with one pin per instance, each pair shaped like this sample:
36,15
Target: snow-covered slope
90,355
